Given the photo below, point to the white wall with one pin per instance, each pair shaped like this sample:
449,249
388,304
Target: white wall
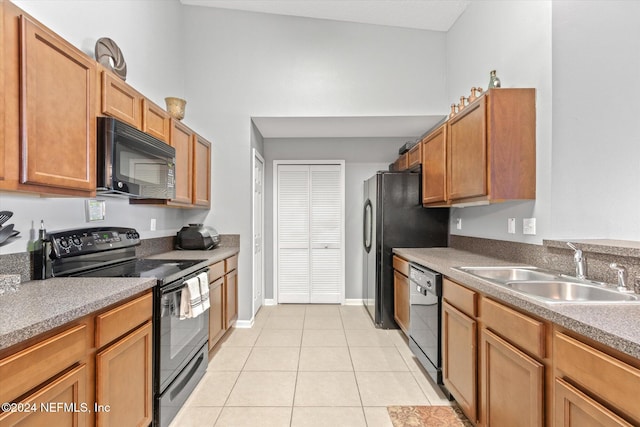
596,137
363,157
149,33
251,64
513,38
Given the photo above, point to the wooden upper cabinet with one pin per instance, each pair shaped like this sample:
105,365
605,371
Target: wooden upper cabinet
155,121
434,167
492,148
120,100
57,111
182,141
468,147
201,172
414,156
3,155
401,163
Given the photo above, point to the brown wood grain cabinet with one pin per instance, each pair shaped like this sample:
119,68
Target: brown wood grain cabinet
401,163
49,118
182,141
60,403
459,360
594,384
434,167
511,384
155,121
123,380
2,97
101,359
223,298
201,172
231,297
492,148
414,157
216,312
120,100
401,303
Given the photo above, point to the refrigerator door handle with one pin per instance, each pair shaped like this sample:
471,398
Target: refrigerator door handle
367,227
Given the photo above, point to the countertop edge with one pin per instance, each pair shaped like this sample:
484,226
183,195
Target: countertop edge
567,316
14,336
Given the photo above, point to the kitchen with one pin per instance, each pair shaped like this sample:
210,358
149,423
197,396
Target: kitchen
552,47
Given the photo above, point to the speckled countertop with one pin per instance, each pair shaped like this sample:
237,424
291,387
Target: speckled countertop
616,325
41,305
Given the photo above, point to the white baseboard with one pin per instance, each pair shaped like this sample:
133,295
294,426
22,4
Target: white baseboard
244,324
353,301
270,302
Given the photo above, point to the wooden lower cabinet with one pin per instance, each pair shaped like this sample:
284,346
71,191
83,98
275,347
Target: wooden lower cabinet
231,296
459,358
574,408
401,303
123,381
216,312
61,403
511,385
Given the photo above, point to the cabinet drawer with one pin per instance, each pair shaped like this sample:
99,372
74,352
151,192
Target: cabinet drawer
34,365
231,263
414,156
216,271
521,330
460,297
573,405
598,373
122,319
401,265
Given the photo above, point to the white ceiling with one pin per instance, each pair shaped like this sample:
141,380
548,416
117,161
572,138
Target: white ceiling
437,15
409,127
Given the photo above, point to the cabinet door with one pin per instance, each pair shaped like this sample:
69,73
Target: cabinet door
123,381
511,385
61,403
468,152
216,312
434,167
231,297
120,100
57,111
155,121
575,409
3,156
201,172
181,140
401,302
459,361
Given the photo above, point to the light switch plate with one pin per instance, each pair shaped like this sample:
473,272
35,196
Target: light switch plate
511,225
529,226
459,223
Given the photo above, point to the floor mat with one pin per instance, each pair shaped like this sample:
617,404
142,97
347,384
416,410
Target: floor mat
432,416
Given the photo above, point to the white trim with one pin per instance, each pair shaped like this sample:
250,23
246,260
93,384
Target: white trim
353,301
270,301
256,156
244,324
341,163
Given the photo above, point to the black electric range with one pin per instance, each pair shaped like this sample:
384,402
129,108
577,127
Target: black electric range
180,351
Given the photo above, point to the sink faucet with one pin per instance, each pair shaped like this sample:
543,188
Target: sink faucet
579,260
622,277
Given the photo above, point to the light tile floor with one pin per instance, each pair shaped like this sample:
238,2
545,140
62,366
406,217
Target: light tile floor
308,365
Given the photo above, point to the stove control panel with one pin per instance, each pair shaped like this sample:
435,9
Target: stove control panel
82,241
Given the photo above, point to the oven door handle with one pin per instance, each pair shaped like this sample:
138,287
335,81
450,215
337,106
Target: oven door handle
180,283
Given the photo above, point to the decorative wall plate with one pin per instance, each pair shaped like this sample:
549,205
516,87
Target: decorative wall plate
110,56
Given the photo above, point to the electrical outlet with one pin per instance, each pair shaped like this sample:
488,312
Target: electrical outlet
152,225
511,225
459,223
529,226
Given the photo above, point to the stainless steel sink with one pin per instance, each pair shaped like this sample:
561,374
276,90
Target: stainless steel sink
548,286
563,291
507,274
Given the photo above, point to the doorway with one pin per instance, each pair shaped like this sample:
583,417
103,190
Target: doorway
258,232
309,231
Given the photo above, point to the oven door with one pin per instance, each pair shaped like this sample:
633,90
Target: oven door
178,339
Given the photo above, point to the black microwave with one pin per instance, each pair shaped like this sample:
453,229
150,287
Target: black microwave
131,163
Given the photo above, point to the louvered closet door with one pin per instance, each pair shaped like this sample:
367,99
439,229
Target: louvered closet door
310,227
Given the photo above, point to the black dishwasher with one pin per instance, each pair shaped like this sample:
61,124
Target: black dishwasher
425,324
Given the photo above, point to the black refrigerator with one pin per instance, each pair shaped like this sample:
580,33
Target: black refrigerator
394,218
